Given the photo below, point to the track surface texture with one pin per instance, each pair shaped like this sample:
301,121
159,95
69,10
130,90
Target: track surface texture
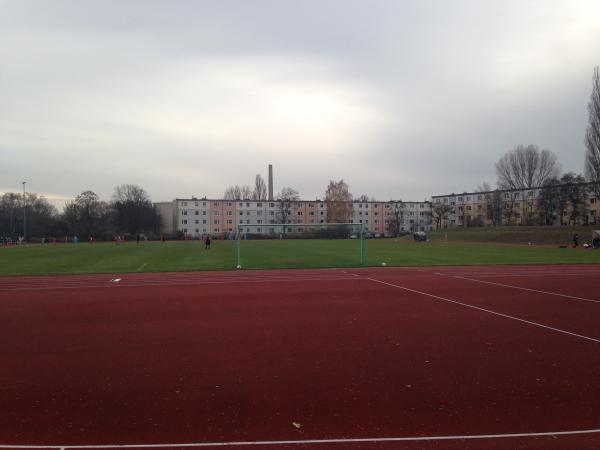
390,358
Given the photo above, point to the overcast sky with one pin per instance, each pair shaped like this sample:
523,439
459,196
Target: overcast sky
401,99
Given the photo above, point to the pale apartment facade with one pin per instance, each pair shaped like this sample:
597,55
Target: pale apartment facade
513,207
195,217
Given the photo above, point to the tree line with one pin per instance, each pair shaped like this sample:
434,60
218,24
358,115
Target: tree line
561,198
129,213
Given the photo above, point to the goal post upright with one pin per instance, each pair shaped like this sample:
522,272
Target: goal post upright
238,245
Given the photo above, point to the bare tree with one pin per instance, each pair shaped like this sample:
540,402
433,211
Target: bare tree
493,207
233,193
86,215
395,223
41,215
338,201
134,212
247,193
525,167
508,209
484,187
592,135
548,201
363,198
439,213
574,193
260,188
285,198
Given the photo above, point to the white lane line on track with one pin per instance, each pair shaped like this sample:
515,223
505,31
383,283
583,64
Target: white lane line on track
373,440
178,283
518,319
528,289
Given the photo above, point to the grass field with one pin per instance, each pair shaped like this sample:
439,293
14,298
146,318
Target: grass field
189,256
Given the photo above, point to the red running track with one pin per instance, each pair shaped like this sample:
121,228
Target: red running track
298,356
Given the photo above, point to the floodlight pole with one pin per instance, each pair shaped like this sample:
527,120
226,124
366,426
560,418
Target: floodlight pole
24,214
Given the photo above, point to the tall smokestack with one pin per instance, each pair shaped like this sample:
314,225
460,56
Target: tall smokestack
270,182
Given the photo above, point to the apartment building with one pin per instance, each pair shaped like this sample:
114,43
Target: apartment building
377,216
535,206
197,217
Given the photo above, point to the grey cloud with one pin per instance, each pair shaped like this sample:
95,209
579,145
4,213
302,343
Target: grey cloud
95,94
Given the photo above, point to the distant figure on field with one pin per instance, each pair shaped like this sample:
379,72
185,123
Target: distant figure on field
162,238
137,239
207,242
575,240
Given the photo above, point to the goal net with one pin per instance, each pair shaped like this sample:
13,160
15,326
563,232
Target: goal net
274,246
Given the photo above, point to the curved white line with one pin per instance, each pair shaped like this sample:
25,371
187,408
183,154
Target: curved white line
314,441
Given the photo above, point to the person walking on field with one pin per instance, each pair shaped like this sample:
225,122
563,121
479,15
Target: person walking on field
207,242
575,240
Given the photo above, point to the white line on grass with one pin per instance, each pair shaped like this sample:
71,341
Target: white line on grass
486,310
373,440
142,266
528,289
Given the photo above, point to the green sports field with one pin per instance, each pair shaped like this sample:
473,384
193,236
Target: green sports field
189,256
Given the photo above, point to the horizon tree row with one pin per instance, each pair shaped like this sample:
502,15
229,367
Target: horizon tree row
129,212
